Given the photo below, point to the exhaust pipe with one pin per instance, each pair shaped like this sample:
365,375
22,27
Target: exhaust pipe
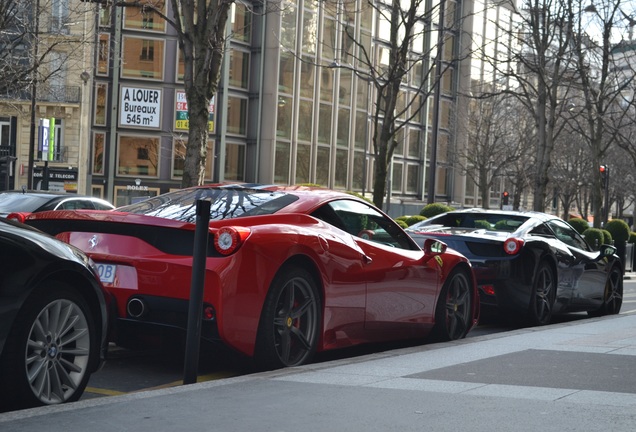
136,307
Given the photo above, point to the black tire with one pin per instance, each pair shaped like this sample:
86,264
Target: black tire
613,294
453,312
49,353
542,296
290,323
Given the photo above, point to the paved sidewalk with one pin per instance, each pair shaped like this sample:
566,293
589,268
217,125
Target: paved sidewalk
576,376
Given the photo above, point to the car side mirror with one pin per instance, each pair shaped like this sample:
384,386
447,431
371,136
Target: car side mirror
434,247
606,251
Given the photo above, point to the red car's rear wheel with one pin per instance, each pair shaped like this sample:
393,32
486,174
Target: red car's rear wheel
290,321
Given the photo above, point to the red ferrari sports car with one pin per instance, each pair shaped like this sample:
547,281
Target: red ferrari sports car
289,270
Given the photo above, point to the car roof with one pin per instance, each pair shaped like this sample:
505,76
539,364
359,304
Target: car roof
529,214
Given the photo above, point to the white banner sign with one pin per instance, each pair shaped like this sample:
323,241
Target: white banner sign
140,107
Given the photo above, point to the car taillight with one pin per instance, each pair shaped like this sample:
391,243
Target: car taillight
512,245
228,239
20,217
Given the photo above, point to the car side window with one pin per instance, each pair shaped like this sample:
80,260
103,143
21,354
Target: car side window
364,222
568,235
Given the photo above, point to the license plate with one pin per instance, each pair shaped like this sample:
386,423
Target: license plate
106,272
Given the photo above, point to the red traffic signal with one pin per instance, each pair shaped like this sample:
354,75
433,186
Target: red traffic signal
602,169
504,197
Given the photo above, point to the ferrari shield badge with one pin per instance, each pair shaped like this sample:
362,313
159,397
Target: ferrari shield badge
439,260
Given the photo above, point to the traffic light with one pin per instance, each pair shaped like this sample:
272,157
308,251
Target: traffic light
505,196
604,171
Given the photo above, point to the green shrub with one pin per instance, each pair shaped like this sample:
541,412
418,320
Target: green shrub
607,237
402,223
619,230
483,224
632,237
411,220
593,237
579,224
433,209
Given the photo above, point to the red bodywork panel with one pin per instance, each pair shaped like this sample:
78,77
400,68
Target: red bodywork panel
370,291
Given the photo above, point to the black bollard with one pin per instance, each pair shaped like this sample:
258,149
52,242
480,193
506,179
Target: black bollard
195,306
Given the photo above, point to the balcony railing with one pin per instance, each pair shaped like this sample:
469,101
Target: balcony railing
47,93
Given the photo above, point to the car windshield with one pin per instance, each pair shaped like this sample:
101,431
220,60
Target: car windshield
487,221
18,202
226,203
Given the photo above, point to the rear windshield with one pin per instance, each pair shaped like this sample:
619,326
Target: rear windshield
18,202
226,203
487,221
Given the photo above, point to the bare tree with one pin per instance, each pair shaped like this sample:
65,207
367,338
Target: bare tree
605,84
493,147
406,28
537,74
201,27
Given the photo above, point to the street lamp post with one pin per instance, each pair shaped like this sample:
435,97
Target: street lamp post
34,86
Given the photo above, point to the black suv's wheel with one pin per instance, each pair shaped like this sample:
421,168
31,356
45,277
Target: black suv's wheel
50,349
542,296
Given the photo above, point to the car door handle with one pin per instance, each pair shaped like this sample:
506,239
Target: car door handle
366,259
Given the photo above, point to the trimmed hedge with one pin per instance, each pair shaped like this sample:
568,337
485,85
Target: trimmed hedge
594,237
579,224
433,209
619,230
607,237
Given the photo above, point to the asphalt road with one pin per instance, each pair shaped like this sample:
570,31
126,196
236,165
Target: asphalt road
128,371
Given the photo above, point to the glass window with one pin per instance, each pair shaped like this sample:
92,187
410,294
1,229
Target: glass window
145,18
396,177
103,54
281,165
178,158
307,74
568,235
241,19
138,156
101,98
329,39
324,124
239,69
180,66
414,143
326,85
342,165
143,58
99,141
344,115
303,163
288,27
305,120
234,162
322,165
358,170
284,118
286,73
125,195
412,178
310,32
364,222
104,15
361,130
236,115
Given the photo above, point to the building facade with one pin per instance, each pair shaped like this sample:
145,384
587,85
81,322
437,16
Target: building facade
44,124
283,114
